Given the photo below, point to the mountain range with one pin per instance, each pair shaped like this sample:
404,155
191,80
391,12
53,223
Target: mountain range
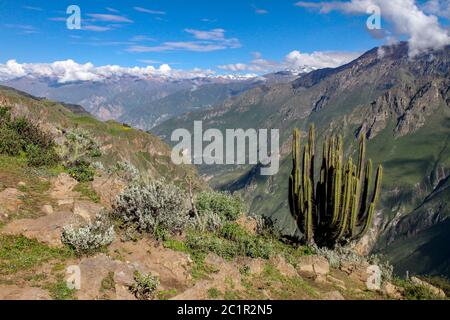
401,104
144,102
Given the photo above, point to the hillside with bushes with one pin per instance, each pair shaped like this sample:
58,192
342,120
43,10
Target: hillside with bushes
401,104
102,200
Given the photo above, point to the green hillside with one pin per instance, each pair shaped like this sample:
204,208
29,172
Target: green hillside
401,105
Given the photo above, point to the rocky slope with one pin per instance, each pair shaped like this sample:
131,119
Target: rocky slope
35,265
37,203
400,103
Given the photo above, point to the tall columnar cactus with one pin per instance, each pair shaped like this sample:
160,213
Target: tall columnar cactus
339,209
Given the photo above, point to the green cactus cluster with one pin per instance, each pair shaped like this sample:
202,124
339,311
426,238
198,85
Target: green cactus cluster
339,208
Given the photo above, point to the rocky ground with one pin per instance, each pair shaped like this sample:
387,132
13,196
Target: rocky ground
34,264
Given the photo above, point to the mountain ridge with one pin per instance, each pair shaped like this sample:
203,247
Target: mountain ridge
400,103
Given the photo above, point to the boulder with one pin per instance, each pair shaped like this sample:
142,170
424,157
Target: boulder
248,224
11,292
108,188
10,200
436,291
63,186
285,268
86,209
46,229
316,265
256,266
337,282
94,269
47,209
333,295
391,291
357,271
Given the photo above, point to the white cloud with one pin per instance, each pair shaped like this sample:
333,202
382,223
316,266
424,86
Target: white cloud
71,71
206,41
22,28
144,10
91,27
295,60
423,31
112,10
140,38
440,8
215,34
33,8
109,18
319,59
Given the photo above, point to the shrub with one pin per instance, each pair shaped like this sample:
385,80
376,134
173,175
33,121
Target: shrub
31,133
81,171
125,170
412,291
39,157
234,232
439,282
236,243
223,204
22,135
153,207
144,286
91,237
208,221
338,255
205,243
79,145
10,142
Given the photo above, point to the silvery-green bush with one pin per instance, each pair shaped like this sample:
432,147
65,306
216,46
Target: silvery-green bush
144,285
228,206
208,221
79,145
89,237
126,171
155,206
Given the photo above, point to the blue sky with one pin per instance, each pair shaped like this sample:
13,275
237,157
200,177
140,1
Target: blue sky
202,34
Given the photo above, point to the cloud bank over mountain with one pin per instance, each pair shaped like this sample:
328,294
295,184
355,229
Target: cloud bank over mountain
423,30
71,71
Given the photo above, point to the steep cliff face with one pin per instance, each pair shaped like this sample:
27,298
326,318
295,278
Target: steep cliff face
402,104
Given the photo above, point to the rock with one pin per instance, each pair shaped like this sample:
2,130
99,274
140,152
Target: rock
357,271
286,269
248,224
65,202
373,281
10,200
391,291
321,278
226,277
172,267
94,269
10,292
46,229
21,184
316,265
63,186
256,266
333,295
47,209
436,291
214,260
107,188
86,209
337,282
